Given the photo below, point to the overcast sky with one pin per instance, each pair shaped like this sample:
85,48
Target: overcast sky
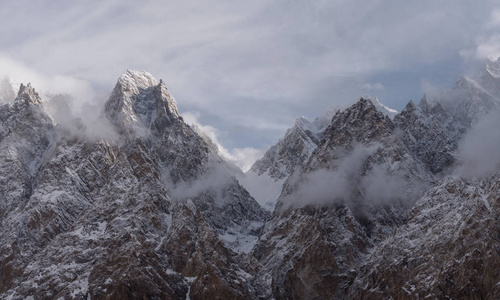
246,69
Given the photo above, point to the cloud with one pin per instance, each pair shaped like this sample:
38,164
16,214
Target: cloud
245,157
373,86
487,43
381,187
71,102
490,48
324,187
478,153
45,84
241,157
211,182
82,118
272,61
350,183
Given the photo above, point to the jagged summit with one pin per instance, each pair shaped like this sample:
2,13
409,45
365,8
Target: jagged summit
138,102
152,214
137,79
465,82
386,110
294,150
157,214
28,94
471,99
363,120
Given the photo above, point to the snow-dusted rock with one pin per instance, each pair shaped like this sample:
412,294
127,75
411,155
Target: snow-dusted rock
114,218
362,204
448,249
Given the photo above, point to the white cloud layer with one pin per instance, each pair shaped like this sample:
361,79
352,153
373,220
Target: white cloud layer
487,44
479,152
45,84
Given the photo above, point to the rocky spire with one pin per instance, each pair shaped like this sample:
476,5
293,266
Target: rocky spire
138,101
28,94
361,121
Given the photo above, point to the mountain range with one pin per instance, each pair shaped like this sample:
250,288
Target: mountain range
362,203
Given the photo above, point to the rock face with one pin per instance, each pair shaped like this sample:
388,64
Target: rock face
366,204
290,152
430,133
331,212
381,237
299,142
449,248
266,177
25,135
96,219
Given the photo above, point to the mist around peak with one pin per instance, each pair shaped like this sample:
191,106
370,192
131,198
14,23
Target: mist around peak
478,154
84,120
348,182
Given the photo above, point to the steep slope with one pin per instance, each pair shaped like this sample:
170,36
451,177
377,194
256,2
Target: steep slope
25,134
96,218
468,101
189,164
489,77
332,232
449,248
267,175
299,142
140,107
364,206
332,211
430,133
293,150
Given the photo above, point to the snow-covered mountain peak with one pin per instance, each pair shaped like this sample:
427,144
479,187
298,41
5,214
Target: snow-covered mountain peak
138,101
474,86
413,109
137,80
305,125
28,94
465,82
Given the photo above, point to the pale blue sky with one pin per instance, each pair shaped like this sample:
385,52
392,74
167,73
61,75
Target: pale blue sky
247,69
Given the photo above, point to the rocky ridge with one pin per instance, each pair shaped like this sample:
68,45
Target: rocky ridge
95,219
366,206
377,229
